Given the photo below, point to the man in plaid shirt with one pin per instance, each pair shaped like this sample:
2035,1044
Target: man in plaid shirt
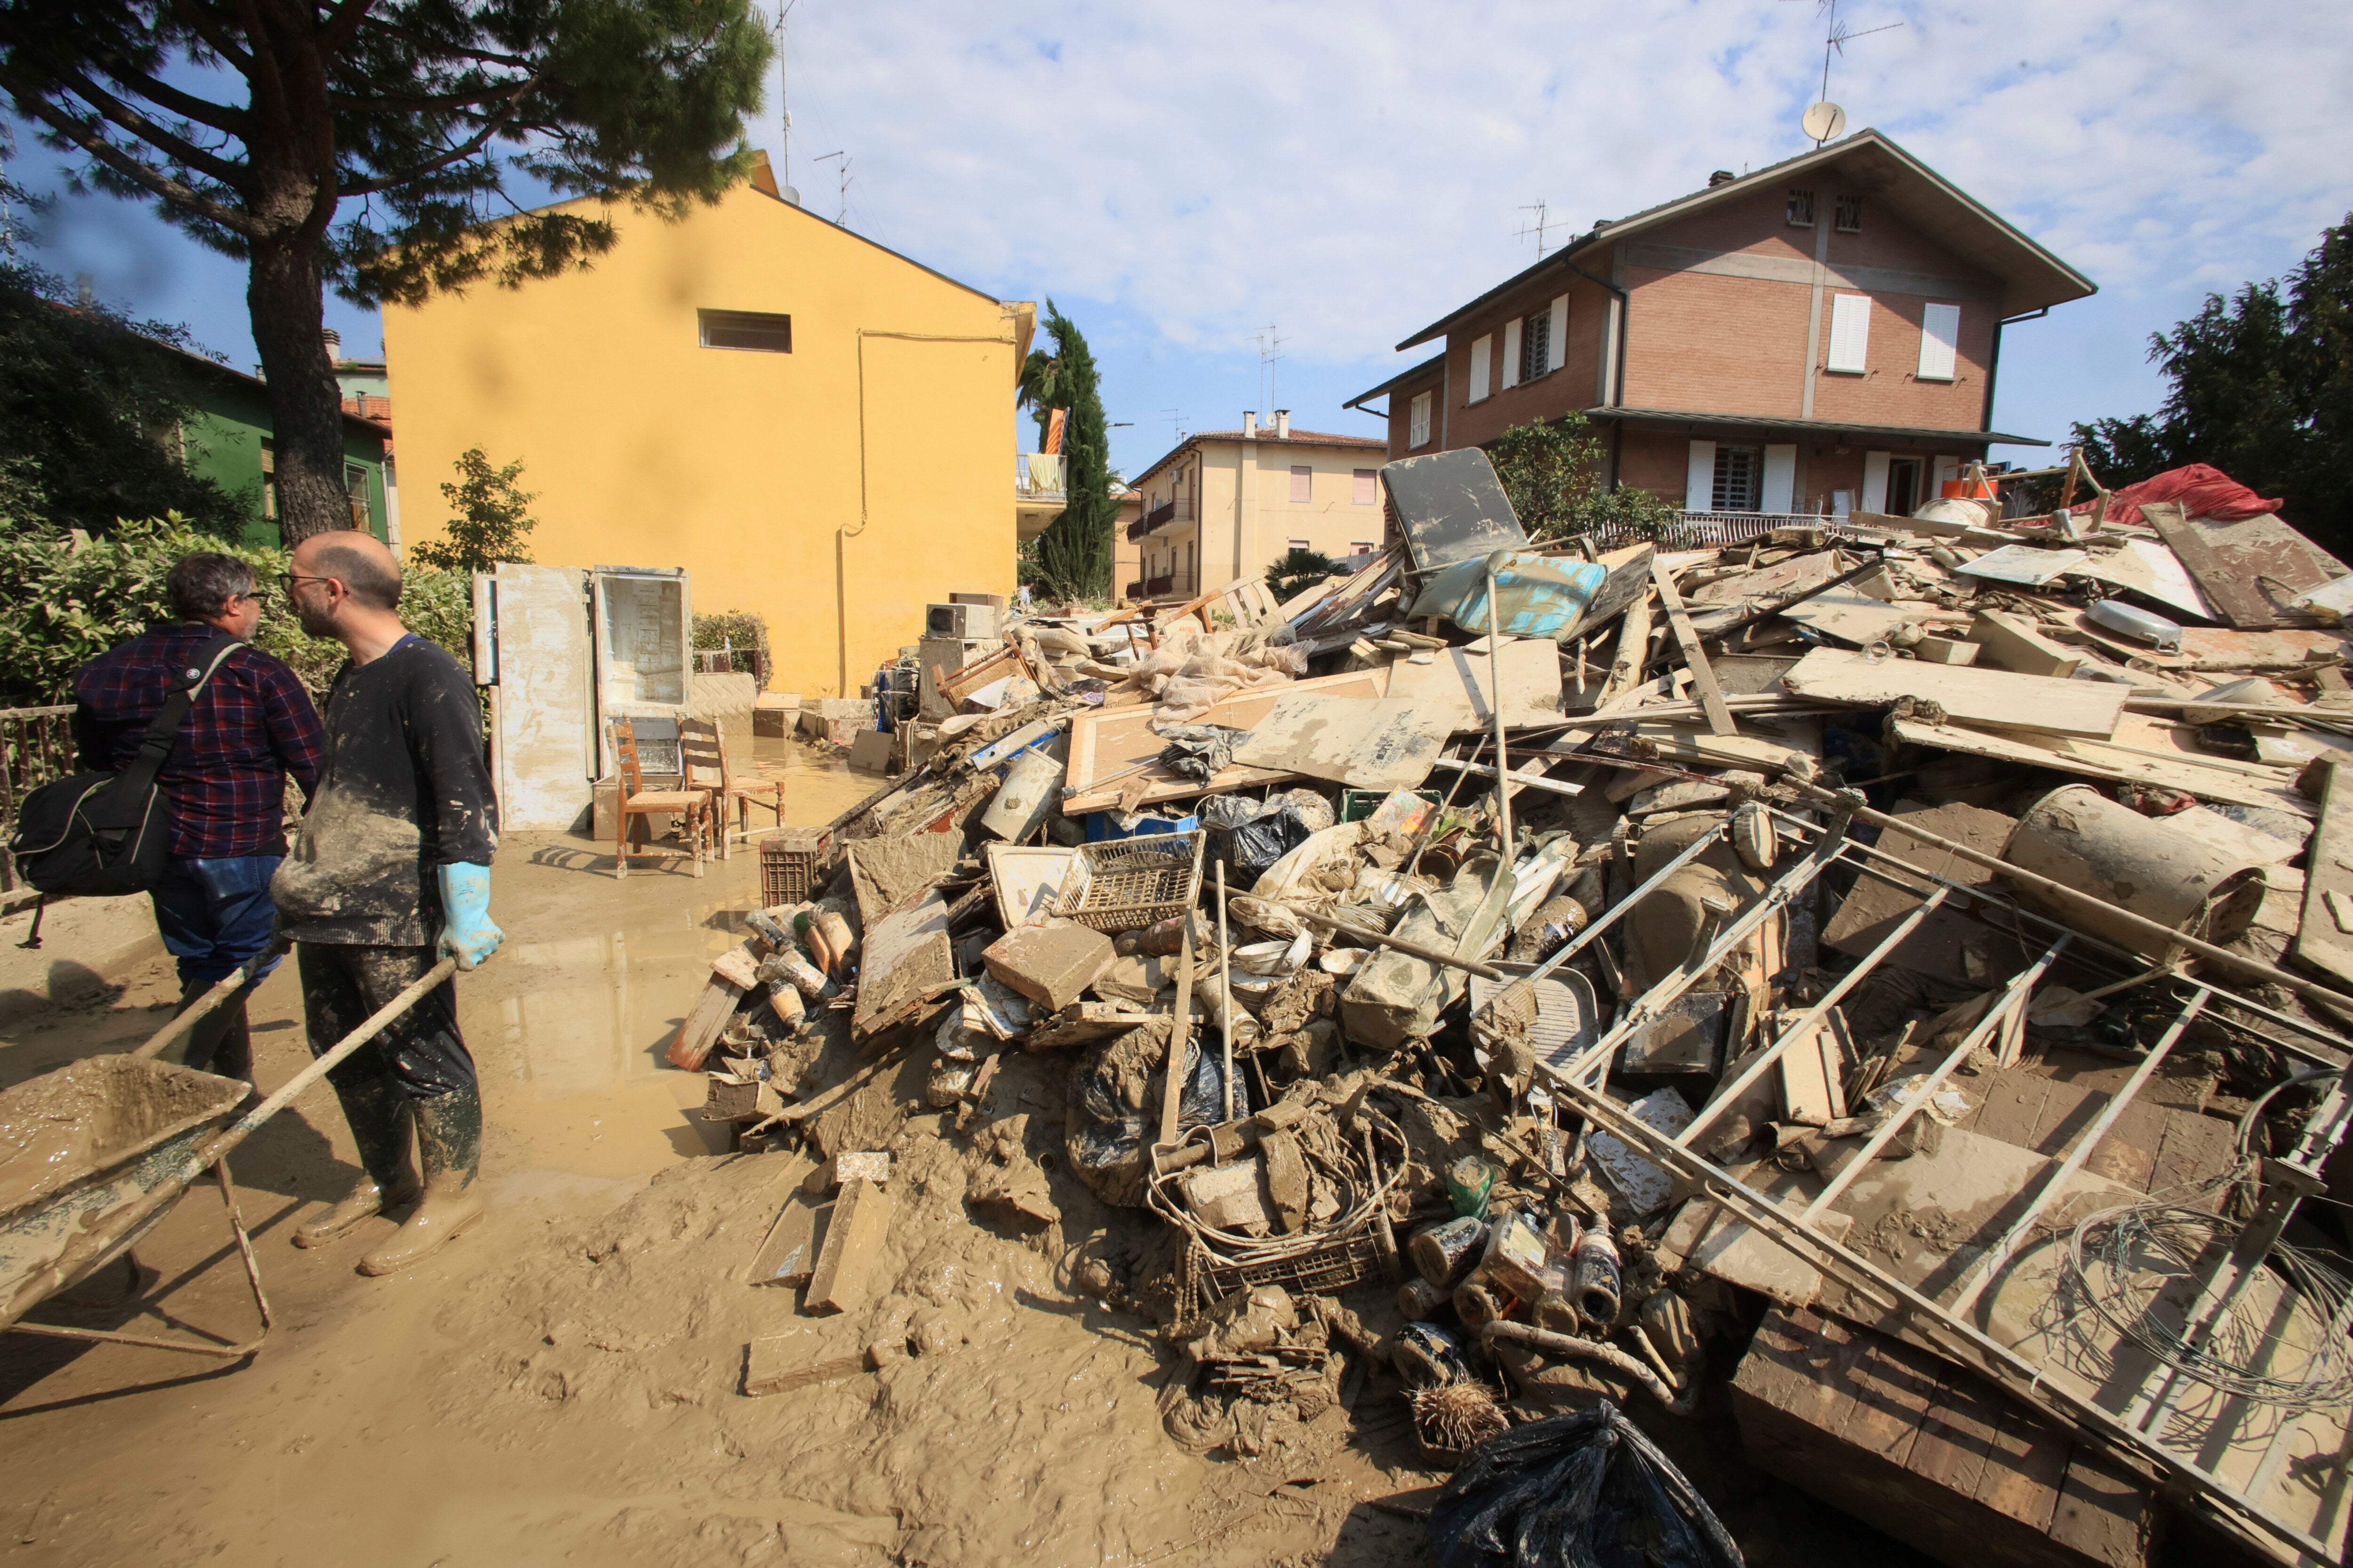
225,783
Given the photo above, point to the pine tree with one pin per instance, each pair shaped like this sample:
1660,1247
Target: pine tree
1074,554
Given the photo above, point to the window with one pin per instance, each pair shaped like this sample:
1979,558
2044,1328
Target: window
269,478
1362,547
1737,471
1802,209
1302,482
1368,488
1850,333
1483,354
355,486
1298,543
1535,344
755,329
1940,332
1849,214
1417,427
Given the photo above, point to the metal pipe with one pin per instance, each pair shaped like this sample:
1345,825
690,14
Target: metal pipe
1226,990
1410,949
1495,705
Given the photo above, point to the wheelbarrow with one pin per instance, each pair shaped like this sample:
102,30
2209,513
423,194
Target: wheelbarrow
94,1155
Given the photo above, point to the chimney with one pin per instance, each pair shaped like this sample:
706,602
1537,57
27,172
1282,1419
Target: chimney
1283,423
334,344
1721,177
1250,424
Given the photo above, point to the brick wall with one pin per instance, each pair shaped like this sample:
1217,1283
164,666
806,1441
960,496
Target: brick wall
1727,345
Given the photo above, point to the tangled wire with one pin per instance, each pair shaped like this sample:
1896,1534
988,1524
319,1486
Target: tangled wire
1352,1171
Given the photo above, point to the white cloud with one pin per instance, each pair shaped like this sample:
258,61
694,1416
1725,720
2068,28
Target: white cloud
1353,171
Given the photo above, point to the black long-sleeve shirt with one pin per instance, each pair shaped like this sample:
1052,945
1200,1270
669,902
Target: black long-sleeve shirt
406,790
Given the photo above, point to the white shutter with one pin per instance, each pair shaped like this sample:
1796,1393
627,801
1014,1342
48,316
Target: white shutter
1850,333
1699,480
1418,429
1483,350
1940,332
1511,352
1875,481
1557,335
1780,479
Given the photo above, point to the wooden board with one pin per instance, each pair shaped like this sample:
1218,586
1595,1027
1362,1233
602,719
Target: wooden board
1465,677
2149,568
1367,742
2252,571
908,961
853,1246
1951,943
2320,942
1711,699
1849,617
1967,695
1104,744
2038,750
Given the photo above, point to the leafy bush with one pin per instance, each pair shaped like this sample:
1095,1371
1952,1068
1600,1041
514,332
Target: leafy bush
67,597
493,515
730,629
1552,472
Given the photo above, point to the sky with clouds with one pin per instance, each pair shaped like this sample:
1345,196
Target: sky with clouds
1180,177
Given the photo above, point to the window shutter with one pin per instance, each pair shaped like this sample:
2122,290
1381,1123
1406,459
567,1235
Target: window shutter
1875,481
1556,339
1482,350
1850,333
1780,479
1511,352
1699,480
1367,487
1416,432
1941,333
1302,482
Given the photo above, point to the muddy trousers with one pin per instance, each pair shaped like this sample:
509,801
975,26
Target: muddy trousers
417,1072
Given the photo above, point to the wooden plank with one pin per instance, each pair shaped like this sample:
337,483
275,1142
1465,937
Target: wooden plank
1809,1072
853,1246
1106,744
797,1358
2252,571
2121,767
1465,678
1849,617
1634,652
1969,695
2321,943
1368,742
2015,643
1172,1083
1719,717
699,1031
1942,944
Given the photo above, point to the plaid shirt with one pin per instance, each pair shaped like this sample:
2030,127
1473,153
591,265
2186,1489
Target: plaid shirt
225,776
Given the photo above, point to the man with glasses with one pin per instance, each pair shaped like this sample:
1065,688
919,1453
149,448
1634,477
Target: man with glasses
391,873
224,783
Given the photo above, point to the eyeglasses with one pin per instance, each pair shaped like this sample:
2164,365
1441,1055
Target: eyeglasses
288,580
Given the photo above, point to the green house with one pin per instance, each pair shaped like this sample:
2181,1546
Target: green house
226,440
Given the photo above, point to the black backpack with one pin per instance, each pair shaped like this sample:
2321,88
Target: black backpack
97,835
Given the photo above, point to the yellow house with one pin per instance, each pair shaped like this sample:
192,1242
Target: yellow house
817,429
1227,504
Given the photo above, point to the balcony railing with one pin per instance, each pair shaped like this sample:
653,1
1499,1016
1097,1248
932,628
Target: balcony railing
1038,476
1700,529
1179,508
35,746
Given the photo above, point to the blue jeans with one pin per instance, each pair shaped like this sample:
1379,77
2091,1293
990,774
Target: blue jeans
214,914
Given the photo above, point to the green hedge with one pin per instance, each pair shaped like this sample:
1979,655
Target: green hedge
65,598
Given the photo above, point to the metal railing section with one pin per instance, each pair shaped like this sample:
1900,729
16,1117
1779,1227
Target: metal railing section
35,746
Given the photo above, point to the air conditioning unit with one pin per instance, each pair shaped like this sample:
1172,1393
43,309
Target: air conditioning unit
972,623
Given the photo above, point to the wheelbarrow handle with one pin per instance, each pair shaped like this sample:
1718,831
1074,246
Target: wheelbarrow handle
103,1237
213,999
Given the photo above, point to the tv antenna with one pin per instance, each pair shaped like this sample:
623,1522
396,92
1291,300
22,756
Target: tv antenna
1541,223
1176,417
1824,120
841,178
784,105
1270,352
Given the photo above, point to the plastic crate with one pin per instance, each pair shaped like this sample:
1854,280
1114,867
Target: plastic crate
792,868
1325,1271
1131,883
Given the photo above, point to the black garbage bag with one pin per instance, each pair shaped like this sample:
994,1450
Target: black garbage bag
1260,842
1114,1110
1581,1491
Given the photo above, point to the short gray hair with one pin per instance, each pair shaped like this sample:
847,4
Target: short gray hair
201,585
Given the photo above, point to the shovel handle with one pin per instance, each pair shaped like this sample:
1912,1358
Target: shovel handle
229,986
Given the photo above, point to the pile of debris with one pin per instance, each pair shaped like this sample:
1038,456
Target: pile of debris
1843,967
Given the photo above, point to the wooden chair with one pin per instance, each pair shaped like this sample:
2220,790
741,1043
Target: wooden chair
692,805
703,754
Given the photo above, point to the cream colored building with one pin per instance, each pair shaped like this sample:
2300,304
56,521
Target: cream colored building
1227,504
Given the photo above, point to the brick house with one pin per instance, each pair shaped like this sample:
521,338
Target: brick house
1817,337
1225,504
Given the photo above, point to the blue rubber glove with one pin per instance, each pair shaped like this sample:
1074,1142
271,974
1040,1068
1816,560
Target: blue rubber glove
467,933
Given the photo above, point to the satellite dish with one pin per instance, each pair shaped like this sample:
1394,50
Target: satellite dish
1825,121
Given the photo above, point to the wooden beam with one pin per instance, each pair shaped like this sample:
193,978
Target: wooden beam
1710,697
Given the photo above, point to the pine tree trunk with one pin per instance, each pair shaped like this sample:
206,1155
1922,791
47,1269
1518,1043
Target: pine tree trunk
305,403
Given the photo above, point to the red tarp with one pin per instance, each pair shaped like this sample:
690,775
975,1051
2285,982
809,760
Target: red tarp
2202,491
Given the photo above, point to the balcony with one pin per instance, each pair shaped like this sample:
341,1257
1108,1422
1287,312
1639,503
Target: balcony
1174,585
1037,492
1168,512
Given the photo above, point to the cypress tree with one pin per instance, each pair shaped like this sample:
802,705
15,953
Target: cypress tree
1074,554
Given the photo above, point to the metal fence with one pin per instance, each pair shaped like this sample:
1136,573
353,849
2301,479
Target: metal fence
1705,530
35,746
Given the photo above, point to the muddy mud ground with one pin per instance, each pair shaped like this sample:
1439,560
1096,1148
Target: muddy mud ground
562,1385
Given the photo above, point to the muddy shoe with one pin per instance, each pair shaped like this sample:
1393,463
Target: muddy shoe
445,1214
363,1203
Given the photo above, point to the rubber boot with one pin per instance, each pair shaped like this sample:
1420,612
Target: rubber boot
449,1138
377,1113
